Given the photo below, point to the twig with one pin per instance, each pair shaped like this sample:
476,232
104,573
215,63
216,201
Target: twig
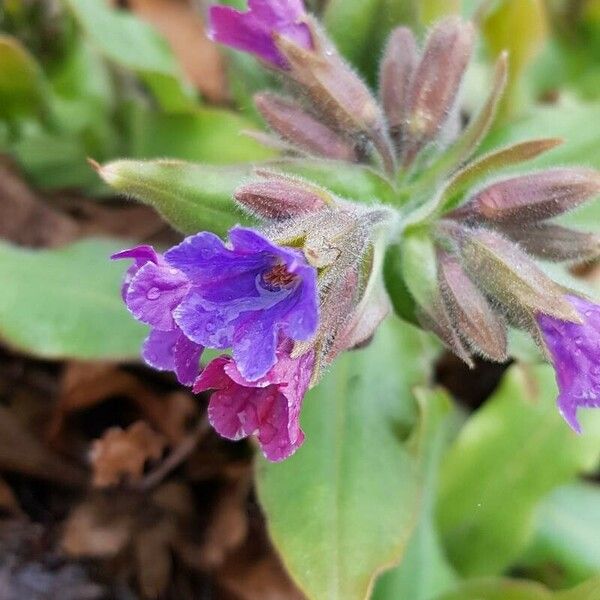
177,456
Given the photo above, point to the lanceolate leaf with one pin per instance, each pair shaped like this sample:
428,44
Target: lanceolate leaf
189,196
66,303
509,455
342,508
424,571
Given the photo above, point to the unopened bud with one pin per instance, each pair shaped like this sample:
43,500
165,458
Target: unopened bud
470,311
556,243
436,82
337,92
280,198
399,62
436,319
300,128
506,273
533,197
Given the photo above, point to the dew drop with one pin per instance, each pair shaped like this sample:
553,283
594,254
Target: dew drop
153,293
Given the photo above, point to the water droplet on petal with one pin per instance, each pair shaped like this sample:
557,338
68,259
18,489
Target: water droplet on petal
153,293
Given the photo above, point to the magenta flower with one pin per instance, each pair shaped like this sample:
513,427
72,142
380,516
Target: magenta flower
151,290
575,351
268,407
253,31
245,297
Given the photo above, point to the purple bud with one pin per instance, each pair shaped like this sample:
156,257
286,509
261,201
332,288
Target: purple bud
575,352
533,197
506,273
300,128
280,197
436,82
397,67
337,92
556,243
470,311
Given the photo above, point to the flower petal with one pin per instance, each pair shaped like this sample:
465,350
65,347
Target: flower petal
154,292
159,347
575,352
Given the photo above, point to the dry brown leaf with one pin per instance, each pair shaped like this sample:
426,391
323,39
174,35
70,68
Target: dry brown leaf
251,578
97,529
21,452
86,384
184,29
121,454
153,557
25,218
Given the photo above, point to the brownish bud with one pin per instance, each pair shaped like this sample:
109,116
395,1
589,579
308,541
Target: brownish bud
436,82
297,126
533,197
556,243
470,311
337,92
506,273
280,198
399,62
437,320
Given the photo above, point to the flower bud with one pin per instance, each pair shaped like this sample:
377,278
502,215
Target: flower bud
556,243
533,197
506,273
300,128
398,65
337,92
280,197
435,318
436,82
470,311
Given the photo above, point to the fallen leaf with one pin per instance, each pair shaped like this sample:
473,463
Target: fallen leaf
99,527
121,454
26,219
22,452
85,385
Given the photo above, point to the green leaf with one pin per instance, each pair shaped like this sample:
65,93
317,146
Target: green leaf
515,589
590,590
353,182
432,10
402,300
341,509
66,303
135,45
360,29
510,454
498,589
419,266
189,196
21,80
210,135
566,533
521,28
424,572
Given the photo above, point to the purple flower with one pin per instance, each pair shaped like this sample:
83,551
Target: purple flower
244,297
268,407
151,290
253,31
575,351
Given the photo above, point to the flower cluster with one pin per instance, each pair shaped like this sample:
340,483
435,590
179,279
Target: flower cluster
460,247
253,297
